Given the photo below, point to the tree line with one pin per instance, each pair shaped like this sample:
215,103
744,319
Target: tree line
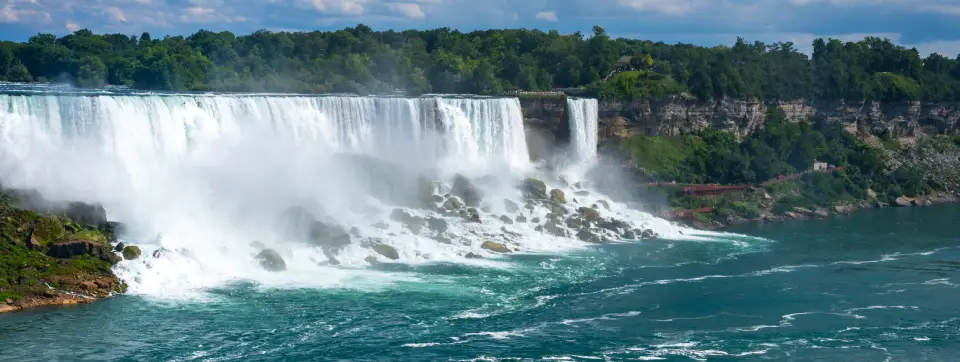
360,60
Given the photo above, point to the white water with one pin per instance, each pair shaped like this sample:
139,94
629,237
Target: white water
201,177
583,128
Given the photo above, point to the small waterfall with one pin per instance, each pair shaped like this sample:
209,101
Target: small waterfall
583,128
203,178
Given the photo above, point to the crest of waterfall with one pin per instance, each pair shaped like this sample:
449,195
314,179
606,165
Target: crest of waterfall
200,179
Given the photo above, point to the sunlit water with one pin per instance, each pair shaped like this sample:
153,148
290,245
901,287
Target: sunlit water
878,285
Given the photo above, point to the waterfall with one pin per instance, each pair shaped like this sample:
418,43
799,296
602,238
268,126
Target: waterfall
201,179
583,128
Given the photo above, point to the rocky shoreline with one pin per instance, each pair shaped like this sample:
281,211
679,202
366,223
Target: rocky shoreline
799,213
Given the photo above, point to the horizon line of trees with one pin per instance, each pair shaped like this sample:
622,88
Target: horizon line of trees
360,60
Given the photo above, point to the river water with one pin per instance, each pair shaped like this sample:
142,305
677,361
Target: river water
879,285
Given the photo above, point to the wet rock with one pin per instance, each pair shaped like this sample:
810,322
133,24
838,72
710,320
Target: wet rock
295,222
486,209
563,181
534,189
521,219
381,225
119,247
614,224
355,231
843,209
453,204
582,193
604,203
473,256
578,185
425,189
372,260
554,228
530,206
648,234
587,213
411,222
628,235
329,235
437,199
443,239
557,197
88,286
535,220
574,222
387,251
506,220
586,235
8,301
438,225
464,189
511,206
88,214
495,247
472,215
157,253
538,229
271,260
131,252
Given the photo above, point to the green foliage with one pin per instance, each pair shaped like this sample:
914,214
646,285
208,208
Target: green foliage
444,60
724,208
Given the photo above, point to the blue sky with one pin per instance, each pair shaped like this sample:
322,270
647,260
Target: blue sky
928,25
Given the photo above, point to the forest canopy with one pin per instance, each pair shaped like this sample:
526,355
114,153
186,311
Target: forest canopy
360,60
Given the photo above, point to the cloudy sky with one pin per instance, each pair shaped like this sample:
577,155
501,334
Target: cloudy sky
928,25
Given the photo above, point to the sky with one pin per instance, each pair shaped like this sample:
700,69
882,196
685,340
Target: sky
928,25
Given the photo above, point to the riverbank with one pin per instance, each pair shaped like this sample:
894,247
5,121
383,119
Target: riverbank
54,254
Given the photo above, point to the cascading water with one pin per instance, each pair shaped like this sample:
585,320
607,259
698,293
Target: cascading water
201,179
583,128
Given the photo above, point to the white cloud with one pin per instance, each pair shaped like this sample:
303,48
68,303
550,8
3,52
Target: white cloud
116,14
547,15
408,10
345,7
72,27
669,7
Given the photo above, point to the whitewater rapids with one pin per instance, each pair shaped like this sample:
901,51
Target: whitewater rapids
202,178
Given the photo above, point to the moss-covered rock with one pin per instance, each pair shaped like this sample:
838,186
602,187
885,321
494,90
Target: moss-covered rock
495,247
557,197
587,213
472,215
131,252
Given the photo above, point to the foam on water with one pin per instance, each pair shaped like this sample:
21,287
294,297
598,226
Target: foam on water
197,178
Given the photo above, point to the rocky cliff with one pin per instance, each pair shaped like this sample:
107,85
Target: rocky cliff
682,114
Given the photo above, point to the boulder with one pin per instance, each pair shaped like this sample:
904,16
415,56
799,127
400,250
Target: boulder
587,235
648,234
904,201
582,193
464,189
8,301
574,222
538,229
521,219
443,239
473,256
69,249
557,197
328,235
411,222
387,251
871,194
628,235
587,213
119,247
131,252
438,225
88,286
495,247
453,204
534,189
506,220
472,215
535,220
271,260
552,227
843,209
425,194
511,206
295,222
372,260
88,214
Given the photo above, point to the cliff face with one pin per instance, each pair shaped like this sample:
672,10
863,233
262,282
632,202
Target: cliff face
679,114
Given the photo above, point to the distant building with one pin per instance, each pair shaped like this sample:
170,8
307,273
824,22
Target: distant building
820,166
623,64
